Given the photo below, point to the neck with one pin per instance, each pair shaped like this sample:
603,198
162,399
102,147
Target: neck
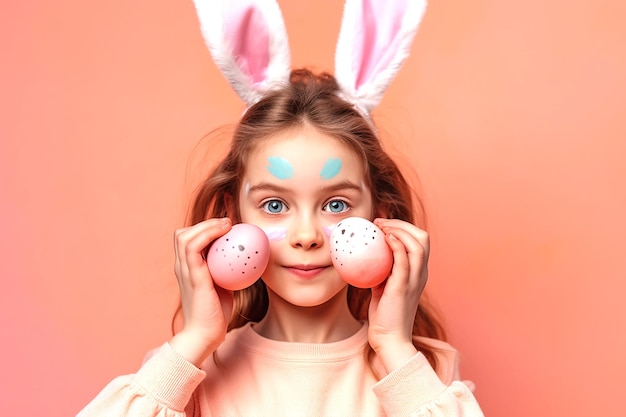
326,323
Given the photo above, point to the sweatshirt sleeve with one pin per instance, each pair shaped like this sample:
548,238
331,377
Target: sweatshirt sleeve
162,387
415,390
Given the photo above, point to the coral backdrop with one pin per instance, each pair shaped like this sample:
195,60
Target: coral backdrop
512,114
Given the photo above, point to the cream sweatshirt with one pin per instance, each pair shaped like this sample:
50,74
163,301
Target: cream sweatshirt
250,375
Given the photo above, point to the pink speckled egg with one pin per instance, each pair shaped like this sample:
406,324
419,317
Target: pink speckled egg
359,252
237,259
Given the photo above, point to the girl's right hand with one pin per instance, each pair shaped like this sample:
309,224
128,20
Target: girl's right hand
206,307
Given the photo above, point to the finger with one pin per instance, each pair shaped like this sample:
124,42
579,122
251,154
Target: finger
410,260
401,269
415,244
419,234
191,242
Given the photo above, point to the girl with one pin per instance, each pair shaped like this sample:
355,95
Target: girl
300,341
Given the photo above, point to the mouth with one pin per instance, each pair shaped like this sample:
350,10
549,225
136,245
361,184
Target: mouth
306,271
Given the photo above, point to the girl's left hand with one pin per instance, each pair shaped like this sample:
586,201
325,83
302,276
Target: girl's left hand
394,302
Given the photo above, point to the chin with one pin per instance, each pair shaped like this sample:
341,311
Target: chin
310,297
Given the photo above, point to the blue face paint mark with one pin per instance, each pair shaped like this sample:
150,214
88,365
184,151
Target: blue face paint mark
280,167
331,168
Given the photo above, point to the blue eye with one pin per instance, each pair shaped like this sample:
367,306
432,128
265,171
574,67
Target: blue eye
274,206
336,206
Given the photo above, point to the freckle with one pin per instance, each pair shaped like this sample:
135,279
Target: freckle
343,231
241,248
352,234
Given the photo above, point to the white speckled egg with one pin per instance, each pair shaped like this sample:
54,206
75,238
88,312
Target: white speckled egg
237,259
359,252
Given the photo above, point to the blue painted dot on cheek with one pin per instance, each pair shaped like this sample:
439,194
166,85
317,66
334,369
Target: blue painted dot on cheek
280,167
331,168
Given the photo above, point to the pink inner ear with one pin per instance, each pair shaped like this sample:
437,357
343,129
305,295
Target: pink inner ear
247,32
379,26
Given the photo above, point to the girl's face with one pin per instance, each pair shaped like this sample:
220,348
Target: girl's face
297,186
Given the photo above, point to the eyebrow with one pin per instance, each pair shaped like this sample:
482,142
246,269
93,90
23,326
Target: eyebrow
343,185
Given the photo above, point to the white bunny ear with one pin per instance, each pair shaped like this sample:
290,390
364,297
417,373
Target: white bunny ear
374,40
248,42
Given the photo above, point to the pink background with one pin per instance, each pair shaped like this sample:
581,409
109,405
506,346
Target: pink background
511,112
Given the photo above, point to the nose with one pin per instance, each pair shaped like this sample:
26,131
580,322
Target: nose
307,233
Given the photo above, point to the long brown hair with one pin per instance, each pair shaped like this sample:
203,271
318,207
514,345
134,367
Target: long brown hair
312,99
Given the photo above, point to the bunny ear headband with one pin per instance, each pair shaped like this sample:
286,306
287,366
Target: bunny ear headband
248,42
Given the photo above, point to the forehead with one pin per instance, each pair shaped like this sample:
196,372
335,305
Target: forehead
304,151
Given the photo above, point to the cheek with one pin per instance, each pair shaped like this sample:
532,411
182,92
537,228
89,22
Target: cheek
275,234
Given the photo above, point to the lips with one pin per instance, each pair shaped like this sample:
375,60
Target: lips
306,271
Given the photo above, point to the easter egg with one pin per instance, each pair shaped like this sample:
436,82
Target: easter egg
359,252
237,259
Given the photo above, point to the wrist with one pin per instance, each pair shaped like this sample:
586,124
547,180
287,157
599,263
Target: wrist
190,347
394,355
